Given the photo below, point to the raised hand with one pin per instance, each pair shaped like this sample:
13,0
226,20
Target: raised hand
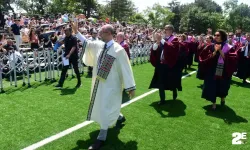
217,47
74,27
158,37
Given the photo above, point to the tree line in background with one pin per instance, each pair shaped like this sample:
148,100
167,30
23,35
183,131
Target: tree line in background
195,17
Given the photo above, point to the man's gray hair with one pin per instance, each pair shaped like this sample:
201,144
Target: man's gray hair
169,26
109,28
121,34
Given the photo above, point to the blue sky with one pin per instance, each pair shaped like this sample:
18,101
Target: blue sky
143,4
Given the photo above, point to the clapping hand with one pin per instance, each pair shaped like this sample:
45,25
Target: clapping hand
217,47
158,37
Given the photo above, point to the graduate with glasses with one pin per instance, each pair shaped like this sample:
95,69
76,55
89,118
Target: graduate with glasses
164,56
218,62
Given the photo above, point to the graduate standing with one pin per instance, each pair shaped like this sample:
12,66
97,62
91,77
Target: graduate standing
193,45
164,56
244,61
184,49
217,62
207,44
112,73
121,39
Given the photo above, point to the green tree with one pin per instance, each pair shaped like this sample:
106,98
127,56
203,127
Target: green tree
121,10
230,5
34,6
197,20
138,18
62,6
175,8
239,17
208,5
5,5
158,15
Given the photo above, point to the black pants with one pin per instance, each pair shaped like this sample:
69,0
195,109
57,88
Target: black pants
74,62
162,94
90,69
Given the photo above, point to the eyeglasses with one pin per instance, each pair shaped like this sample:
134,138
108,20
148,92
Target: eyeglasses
167,29
217,35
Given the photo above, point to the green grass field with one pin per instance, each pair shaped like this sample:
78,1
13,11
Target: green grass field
29,115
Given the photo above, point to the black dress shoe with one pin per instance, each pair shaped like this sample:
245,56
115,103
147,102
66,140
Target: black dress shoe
119,122
58,86
162,102
78,85
97,145
174,95
244,82
222,103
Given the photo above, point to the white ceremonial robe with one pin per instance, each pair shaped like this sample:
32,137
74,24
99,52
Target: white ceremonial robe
106,94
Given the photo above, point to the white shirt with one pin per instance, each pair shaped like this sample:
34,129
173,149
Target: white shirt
246,51
155,46
9,23
110,43
92,39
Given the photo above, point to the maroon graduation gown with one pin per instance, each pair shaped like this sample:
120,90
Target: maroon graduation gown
216,87
207,60
167,74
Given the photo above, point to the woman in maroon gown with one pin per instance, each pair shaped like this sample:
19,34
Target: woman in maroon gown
184,49
205,45
218,62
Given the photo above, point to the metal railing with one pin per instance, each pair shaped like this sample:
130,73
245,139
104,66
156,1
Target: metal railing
45,64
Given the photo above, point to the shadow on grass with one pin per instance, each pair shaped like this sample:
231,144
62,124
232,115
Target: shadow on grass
185,73
12,89
89,76
175,108
200,86
225,113
191,69
240,84
46,83
68,91
112,142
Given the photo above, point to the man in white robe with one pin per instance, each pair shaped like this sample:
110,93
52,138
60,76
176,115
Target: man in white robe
92,38
112,73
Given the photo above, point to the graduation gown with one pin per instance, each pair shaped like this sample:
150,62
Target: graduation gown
126,48
217,87
199,74
192,49
243,71
167,74
200,47
183,54
110,78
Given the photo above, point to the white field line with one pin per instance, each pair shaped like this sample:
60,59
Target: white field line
241,79
85,123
